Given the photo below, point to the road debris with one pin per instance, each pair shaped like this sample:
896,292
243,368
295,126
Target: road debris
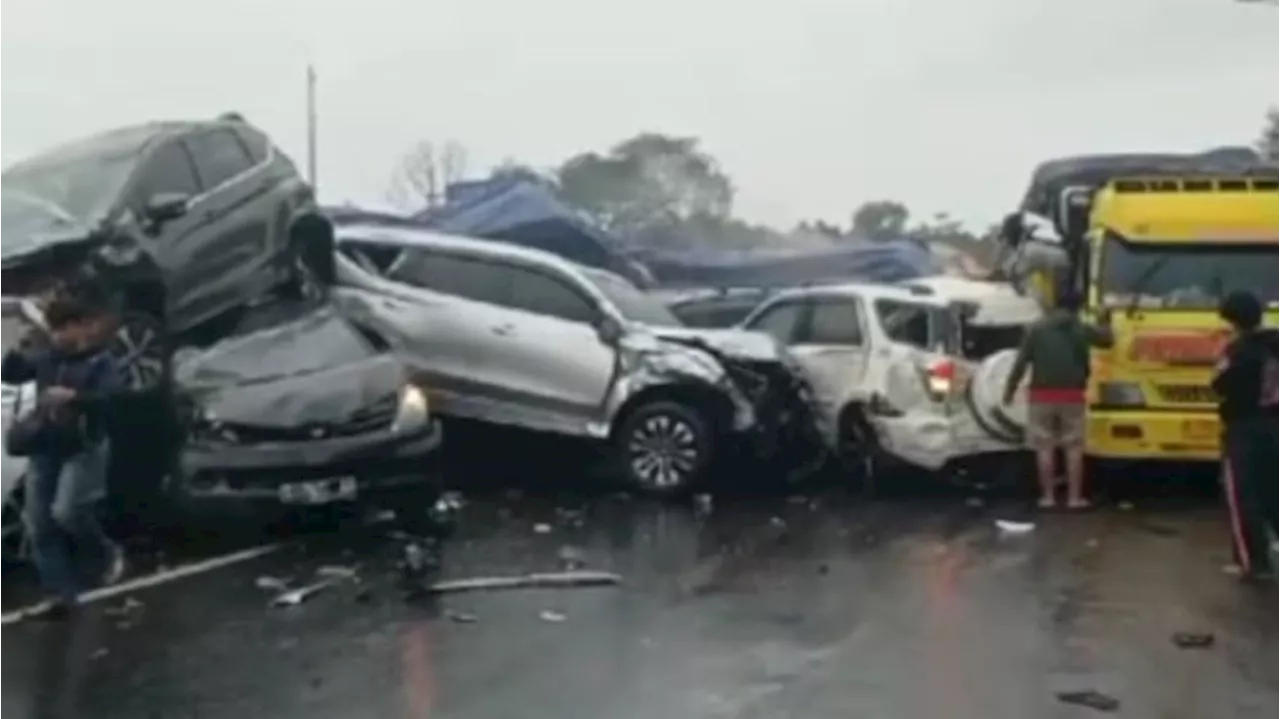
127,608
1125,506
1091,699
461,617
1193,640
554,617
1011,527
334,571
703,503
294,597
271,584
100,653
974,502
571,558
556,580
542,528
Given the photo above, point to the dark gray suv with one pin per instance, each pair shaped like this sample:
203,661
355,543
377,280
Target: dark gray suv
174,224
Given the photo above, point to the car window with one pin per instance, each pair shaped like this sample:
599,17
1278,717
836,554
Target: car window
780,321
905,322
545,295
834,321
255,142
219,156
169,169
453,275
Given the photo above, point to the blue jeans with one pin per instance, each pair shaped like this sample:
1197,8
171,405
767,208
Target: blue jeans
62,494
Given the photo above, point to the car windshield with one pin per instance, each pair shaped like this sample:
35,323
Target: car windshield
316,343
82,180
1184,275
634,304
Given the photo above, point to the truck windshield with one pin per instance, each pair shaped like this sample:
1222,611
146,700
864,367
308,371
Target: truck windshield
1184,275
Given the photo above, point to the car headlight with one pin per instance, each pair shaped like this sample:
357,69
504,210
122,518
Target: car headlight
412,411
1121,394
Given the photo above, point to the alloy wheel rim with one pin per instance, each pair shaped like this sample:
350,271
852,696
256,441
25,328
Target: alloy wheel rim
663,451
138,352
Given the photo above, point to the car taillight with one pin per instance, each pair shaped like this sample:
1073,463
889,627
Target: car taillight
940,377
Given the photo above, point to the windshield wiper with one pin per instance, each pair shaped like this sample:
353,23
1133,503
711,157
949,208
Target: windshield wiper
1144,279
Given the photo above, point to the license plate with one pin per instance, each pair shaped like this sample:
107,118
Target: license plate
1199,429
323,491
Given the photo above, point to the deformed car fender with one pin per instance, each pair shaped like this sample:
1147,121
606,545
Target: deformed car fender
646,362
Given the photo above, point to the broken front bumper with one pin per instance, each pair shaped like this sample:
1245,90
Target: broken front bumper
215,476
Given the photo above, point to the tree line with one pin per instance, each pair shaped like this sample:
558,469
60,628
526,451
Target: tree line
666,191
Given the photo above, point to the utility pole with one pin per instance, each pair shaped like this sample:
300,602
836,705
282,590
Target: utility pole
311,126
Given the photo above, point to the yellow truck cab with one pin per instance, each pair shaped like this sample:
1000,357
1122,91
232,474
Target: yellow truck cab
1152,247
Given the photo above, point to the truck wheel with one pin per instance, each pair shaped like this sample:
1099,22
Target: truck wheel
141,352
664,448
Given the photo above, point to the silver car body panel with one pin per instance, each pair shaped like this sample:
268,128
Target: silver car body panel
508,366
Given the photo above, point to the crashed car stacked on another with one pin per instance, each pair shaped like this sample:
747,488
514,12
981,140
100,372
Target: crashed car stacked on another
521,337
303,412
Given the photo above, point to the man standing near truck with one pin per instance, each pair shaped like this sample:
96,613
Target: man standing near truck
1246,384
1056,351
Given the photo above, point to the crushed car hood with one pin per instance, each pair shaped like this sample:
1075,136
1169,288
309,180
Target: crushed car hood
329,396
305,370
739,344
33,227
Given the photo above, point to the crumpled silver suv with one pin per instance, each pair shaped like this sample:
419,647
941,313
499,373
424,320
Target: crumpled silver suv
521,337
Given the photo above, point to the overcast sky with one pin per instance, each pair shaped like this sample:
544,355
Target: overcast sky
811,105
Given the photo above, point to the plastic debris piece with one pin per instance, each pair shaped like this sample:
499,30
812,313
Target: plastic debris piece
272,584
556,580
974,502
554,617
1091,699
1008,526
703,503
126,608
778,522
100,653
461,617
334,571
542,528
1193,640
294,597
1125,506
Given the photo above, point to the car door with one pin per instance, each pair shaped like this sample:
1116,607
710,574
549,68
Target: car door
833,346
229,261
547,351
168,170
438,309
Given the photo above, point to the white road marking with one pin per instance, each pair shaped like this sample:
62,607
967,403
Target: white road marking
152,580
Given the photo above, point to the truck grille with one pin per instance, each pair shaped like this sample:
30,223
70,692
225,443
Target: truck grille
1185,394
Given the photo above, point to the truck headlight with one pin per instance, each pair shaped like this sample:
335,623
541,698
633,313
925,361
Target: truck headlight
412,411
1121,394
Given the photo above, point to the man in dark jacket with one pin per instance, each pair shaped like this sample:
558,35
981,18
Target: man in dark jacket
76,382
1056,351
1246,384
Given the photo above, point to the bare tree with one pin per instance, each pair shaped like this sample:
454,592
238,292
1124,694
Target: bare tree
425,172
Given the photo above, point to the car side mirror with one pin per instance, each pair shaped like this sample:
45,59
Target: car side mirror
165,206
609,330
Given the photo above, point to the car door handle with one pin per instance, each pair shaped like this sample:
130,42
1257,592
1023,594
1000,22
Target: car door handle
503,330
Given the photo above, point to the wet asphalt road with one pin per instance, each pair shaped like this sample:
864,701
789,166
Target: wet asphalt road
898,608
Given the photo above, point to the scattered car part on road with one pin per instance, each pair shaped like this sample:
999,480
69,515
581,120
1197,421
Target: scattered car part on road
510,335
552,617
1193,640
1089,698
547,580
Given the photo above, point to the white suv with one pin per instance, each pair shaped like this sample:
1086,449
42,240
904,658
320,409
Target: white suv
912,372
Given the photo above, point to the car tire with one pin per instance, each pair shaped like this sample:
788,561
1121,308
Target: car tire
309,259
14,539
664,448
141,349
858,448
